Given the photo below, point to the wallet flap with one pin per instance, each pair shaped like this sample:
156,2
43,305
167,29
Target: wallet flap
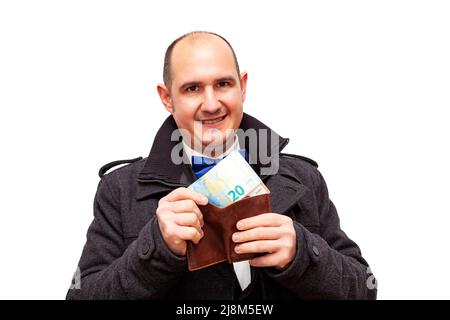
219,225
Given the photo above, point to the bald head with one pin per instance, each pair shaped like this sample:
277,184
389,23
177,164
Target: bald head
196,38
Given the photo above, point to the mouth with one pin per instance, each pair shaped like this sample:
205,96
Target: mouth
213,122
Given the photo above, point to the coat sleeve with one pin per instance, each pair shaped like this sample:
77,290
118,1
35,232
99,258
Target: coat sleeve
327,265
146,269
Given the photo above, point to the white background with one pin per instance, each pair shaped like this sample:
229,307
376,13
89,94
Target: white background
362,87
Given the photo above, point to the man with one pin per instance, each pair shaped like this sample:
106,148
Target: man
144,215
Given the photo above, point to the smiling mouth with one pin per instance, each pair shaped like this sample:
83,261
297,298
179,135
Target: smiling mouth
213,121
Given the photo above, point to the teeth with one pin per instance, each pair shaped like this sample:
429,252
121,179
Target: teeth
212,121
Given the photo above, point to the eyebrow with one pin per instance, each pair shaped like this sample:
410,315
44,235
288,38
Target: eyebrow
188,84
196,83
229,78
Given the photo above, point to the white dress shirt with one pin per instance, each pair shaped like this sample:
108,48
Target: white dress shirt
242,268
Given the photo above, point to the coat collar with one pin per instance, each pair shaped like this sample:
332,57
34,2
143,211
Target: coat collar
164,175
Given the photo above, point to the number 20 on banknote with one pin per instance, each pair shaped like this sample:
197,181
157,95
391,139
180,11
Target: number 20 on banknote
236,193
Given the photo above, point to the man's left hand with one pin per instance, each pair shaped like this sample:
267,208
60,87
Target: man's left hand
268,232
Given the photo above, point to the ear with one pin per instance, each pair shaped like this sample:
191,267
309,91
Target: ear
165,97
243,80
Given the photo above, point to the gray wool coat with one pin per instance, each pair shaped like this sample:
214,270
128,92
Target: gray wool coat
125,256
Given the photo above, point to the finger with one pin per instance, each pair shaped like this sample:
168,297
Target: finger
189,233
184,193
259,233
267,260
182,206
261,220
188,220
259,246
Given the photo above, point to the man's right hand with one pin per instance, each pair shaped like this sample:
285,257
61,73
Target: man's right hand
180,219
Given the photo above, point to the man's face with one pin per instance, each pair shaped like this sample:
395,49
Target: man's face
206,97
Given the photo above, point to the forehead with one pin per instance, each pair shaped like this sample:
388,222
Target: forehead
201,58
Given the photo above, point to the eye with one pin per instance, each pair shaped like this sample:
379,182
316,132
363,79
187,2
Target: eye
193,88
222,84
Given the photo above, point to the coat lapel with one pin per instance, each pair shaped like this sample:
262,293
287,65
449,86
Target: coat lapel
161,175
284,193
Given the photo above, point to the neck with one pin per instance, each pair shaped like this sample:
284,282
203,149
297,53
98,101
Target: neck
213,151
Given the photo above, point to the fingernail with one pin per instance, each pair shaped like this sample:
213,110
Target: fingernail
235,237
204,199
237,249
240,225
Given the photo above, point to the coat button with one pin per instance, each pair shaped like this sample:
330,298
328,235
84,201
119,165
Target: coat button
145,249
315,250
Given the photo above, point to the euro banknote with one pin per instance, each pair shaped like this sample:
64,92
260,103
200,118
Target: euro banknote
230,180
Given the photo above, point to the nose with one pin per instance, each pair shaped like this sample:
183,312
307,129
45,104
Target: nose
211,102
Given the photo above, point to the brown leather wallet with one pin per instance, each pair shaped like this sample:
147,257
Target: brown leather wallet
219,225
